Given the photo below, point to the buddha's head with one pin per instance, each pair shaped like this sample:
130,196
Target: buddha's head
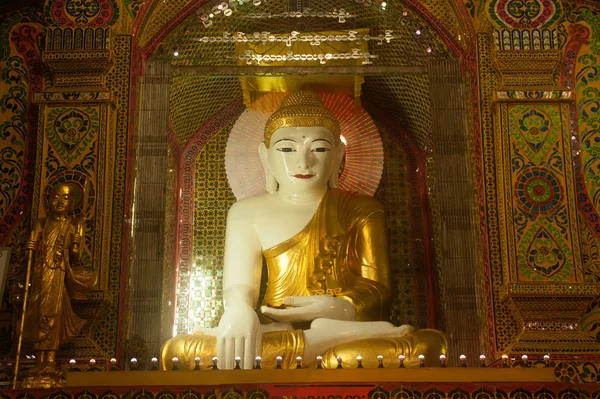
60,199
302,150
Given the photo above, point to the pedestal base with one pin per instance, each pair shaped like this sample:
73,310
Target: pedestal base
543,342
44,376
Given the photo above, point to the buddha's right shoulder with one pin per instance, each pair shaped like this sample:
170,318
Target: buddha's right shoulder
251,205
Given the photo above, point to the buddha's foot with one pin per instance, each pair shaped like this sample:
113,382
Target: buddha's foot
430,343
325,334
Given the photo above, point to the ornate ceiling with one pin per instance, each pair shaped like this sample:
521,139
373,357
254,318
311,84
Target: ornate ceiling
413,35
417,41
158,15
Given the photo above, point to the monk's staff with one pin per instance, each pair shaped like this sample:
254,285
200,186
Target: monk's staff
25,297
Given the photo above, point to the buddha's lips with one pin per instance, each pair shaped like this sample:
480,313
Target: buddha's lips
303,176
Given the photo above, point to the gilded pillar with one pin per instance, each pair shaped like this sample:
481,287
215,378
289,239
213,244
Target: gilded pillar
456,196
543,274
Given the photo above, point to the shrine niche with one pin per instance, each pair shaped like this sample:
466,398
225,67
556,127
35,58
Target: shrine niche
472,122
385,75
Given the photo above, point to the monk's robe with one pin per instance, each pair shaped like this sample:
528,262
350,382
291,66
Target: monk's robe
343,252
50,319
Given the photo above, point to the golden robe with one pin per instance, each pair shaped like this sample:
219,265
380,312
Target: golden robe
50,319
342,251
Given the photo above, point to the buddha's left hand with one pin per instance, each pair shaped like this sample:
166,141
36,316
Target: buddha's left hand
308,308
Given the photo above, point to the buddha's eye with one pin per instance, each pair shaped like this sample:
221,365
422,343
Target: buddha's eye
321,149
286,149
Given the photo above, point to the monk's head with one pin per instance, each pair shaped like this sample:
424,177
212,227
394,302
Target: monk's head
302,151
61,199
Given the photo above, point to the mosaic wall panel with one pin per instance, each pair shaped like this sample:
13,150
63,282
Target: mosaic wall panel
212,199
132,7
106,334
450,17
397,205
542,234
186,178
194,100
15,81
19,77
474,7
520,14
95,13
501,322
399,193
406,96
580,72
587,89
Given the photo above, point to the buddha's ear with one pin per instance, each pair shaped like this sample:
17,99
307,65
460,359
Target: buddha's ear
338,157
271,183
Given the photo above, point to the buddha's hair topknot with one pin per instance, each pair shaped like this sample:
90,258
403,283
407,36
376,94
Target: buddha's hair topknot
302,108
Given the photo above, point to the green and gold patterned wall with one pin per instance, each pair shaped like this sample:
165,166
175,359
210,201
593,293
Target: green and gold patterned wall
542,233
584,26
212,199
20,75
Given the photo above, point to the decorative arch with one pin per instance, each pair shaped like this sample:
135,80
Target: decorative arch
157,19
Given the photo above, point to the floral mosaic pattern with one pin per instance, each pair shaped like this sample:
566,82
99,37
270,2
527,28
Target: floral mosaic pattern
538,190
12,131
544,247
20,74
587,86
92,13
525,14
545,254
132,7
535,130
474,7
72,130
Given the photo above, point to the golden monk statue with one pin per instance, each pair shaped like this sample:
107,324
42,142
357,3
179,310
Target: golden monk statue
328,290
55,242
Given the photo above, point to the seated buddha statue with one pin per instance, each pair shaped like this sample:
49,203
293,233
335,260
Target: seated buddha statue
328,289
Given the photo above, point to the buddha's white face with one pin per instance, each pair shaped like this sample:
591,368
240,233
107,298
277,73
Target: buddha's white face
302,158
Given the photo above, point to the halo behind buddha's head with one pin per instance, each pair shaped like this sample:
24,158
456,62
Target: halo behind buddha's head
302,109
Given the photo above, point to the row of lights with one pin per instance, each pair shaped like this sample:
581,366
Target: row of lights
279,360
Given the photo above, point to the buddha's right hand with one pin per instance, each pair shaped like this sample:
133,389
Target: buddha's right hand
238,334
